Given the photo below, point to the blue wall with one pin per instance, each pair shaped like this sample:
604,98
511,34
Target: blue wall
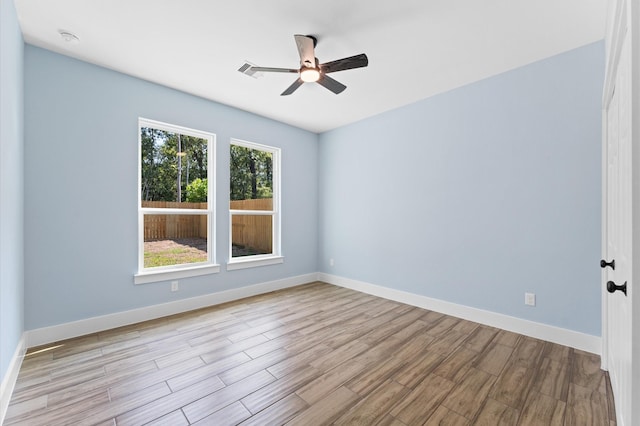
473,196
81,150
11,184
477,195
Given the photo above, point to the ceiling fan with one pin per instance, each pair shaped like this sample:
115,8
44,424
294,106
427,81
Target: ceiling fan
311,71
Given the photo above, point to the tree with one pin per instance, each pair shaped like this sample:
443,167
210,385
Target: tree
197,191
161,161
251,173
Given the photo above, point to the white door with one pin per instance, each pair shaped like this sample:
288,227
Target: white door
618,232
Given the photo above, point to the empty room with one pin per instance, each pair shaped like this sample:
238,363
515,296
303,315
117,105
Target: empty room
355,213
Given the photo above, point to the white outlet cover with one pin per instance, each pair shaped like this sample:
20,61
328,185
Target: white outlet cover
530,299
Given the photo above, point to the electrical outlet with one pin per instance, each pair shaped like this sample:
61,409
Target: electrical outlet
530,299
331,262
174,286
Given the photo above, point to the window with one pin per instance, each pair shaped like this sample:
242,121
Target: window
254,205
176,202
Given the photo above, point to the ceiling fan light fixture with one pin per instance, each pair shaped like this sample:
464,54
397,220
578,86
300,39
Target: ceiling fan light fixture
309,75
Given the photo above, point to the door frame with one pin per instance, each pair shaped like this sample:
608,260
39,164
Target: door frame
614,38
624,15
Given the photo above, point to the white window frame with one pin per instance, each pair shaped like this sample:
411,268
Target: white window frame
172,272
275,257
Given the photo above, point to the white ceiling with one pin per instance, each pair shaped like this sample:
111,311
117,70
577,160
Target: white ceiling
416,48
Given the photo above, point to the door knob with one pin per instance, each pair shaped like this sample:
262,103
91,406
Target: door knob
604,264
612,287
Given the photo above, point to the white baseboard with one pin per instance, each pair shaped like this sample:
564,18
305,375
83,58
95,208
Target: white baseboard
562,336
46,335
9,379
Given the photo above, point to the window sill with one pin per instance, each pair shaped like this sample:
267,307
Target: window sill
174,274
254,262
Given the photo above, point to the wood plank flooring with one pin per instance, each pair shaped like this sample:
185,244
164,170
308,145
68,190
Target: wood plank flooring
310,355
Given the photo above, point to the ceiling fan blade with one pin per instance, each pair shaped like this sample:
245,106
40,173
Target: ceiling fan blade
331,84
269,69
357,61
292,88
305,49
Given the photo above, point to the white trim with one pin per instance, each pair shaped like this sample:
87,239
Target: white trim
616,29
604,309
210,211
541,331
69,330
253,212
175,211
151,276
10,377
254,145
275,212
253,262
537,330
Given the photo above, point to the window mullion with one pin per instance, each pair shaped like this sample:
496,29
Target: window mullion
253,212
153,210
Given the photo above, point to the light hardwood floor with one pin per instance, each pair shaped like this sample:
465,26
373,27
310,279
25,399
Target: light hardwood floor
310,355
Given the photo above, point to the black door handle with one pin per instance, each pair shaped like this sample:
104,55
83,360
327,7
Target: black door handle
612,287
604,264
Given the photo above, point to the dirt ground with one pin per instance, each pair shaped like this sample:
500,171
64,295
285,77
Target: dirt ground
192,246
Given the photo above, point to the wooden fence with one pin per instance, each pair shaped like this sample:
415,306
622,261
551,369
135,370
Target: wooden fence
170,226
251,231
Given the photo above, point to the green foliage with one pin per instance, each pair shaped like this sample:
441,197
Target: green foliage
167,176
251,173
163,169
197,191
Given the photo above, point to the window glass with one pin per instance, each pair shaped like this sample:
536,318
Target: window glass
174,169
251,235
172,239
175,210
254,201
251,176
